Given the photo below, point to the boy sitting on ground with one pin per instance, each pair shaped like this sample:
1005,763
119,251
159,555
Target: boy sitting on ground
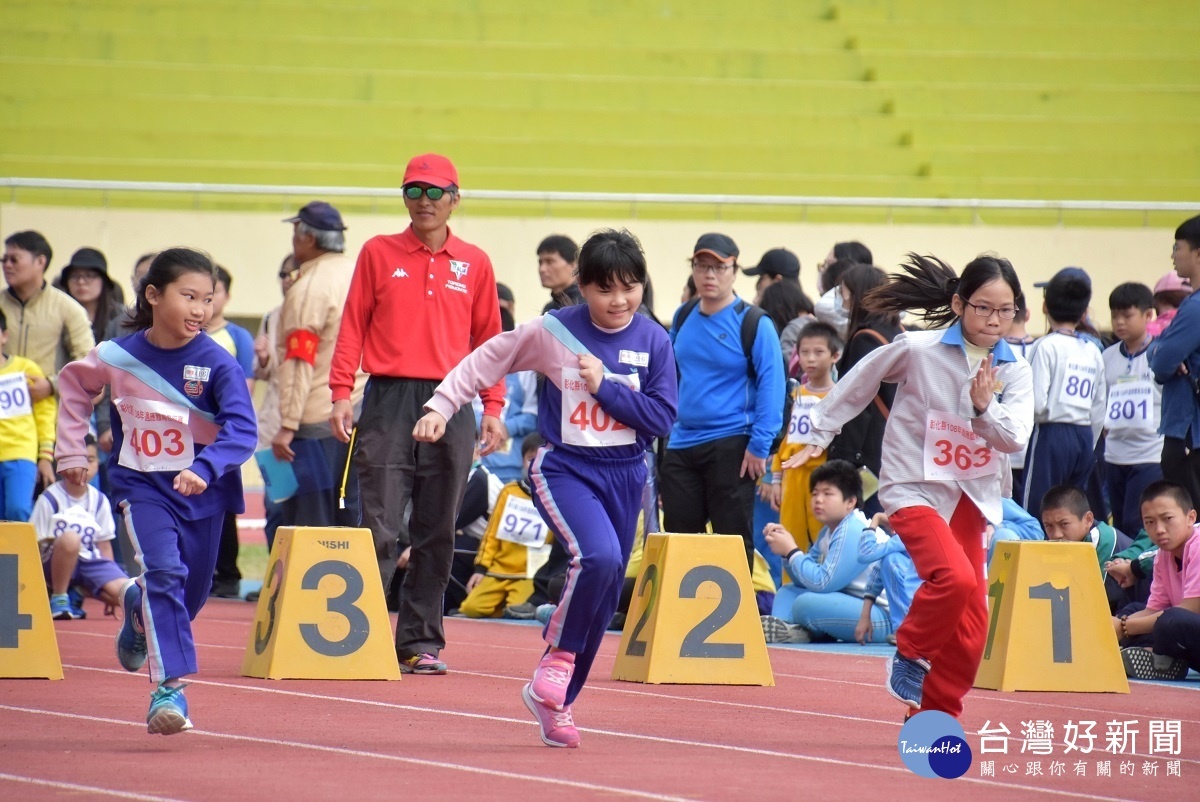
1129,573
1162,641
892,579
1067,516
74,525
826,594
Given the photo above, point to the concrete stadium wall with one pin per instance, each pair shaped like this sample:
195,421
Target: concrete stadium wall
251,245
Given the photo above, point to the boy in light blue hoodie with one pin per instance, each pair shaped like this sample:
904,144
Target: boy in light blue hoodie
828,582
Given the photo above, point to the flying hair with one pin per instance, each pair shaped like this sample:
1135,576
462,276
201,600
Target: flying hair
927,285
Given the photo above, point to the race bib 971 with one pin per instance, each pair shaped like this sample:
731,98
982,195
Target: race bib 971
520,522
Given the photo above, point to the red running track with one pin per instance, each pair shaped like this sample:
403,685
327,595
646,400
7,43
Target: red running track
827,731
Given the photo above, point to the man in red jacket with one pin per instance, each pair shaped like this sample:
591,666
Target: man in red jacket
419,302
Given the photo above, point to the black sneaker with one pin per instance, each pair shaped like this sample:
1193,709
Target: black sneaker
1141,663
226,589
522,612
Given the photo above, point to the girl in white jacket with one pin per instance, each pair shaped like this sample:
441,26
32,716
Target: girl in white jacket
963,399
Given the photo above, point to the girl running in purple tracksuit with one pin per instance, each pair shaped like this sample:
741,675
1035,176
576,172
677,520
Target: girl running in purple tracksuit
610,390
182,425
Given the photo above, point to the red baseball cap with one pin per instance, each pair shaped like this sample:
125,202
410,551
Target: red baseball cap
432,169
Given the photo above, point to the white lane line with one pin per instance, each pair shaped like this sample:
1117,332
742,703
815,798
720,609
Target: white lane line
1012,699
613,733
673,697
437,764
748,706
113,637
91,789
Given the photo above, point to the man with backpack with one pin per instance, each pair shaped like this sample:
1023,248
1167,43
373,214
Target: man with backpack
731,390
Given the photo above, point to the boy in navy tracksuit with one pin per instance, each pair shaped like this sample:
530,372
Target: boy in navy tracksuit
1069,391
610,390
1133,447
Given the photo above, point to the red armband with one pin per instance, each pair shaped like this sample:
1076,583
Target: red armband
302,345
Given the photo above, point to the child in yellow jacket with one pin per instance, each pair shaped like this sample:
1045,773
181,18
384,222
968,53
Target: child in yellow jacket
501,575
818,348
26,431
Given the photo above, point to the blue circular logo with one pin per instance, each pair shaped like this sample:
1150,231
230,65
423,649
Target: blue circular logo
932,744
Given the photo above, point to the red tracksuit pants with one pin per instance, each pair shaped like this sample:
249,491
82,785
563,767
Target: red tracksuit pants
947,623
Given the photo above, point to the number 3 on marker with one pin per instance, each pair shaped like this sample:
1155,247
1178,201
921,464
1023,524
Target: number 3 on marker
274,585
342,604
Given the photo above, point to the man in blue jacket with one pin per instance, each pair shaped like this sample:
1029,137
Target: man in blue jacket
731,390
1175,360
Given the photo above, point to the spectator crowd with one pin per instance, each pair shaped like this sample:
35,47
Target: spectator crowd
351,357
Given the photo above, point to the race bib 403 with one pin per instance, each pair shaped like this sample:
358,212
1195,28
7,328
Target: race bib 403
156,435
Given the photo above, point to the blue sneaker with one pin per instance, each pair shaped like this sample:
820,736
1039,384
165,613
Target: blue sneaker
131,639
168,711
60,607
543,613
75,597
905,679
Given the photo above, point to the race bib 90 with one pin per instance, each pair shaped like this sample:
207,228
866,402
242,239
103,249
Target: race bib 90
14,396
156,435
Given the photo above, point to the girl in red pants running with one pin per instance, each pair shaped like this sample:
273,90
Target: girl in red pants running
963,399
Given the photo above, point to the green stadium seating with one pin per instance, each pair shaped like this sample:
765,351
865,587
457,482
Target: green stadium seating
1072,99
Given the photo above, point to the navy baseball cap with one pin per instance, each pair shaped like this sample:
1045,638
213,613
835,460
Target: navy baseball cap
718,245
1066,274
776,262
319,215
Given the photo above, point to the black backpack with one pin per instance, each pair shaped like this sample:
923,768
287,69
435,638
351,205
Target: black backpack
749,328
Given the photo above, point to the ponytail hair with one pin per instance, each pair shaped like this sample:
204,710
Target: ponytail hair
928,285
165,269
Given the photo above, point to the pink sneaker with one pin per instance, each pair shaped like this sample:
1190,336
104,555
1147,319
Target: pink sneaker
557,726
550,680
